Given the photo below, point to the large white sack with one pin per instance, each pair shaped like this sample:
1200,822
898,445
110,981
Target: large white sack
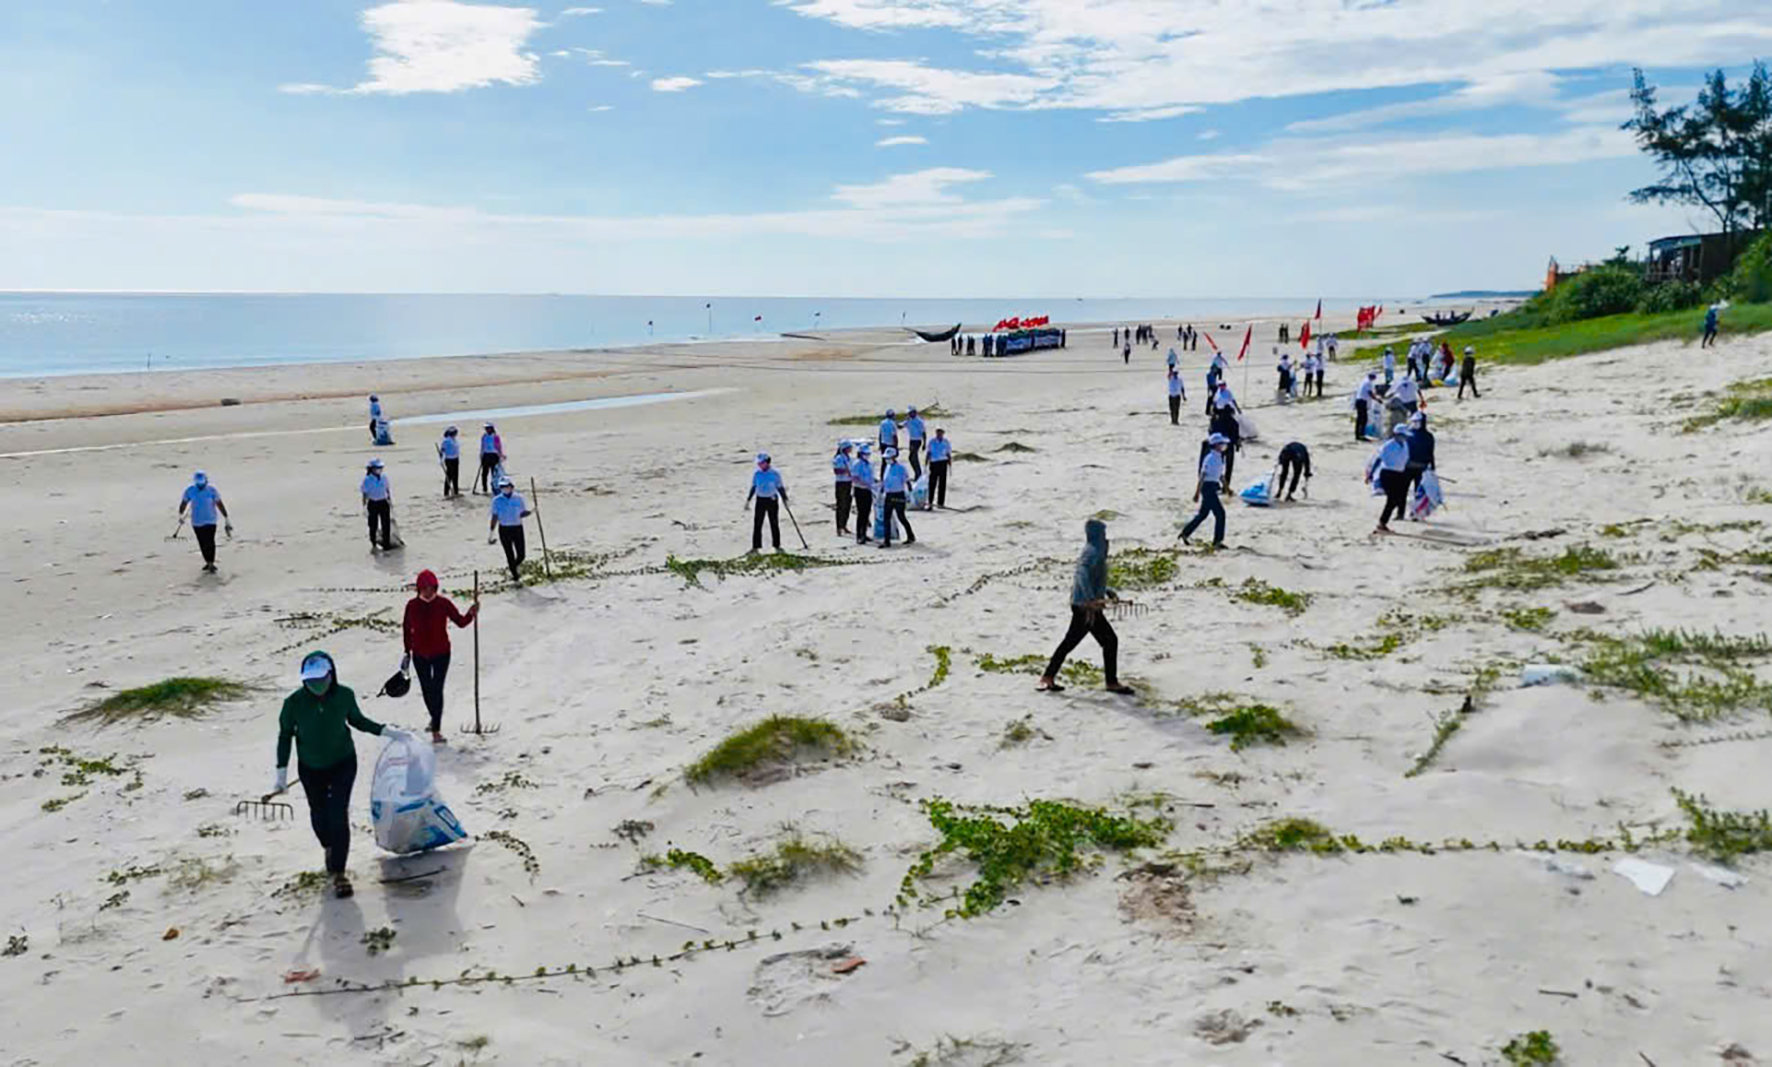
403,802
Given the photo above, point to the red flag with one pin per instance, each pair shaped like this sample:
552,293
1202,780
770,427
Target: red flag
1377,312
1319,315
1304,338
1209,340
1247,334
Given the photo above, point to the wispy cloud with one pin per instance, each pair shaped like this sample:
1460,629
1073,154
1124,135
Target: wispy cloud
674,85
1149,114
593,57
1208,135
889,122
933,91
440,46
596,108
921,188
575,12
892,142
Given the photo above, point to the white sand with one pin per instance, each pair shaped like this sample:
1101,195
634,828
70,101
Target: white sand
607,688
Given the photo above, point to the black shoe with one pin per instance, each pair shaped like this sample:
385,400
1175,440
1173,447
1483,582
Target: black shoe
910,540
341,886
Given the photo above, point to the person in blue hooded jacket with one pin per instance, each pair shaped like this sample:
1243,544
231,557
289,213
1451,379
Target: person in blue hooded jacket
204,501
1089,595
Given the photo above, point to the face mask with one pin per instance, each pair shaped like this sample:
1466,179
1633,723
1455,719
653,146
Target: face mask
506,491
427,594
318,686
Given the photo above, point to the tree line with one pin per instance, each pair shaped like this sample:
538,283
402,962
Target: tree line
1714,153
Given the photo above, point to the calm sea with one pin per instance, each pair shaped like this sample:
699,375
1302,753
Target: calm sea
79,333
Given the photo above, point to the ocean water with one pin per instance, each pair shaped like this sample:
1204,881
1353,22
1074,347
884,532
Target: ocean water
80,333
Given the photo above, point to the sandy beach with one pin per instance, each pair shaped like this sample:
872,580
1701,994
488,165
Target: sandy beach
607,686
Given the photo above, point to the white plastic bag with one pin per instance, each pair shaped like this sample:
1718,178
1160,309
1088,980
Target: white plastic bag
920,493
403,801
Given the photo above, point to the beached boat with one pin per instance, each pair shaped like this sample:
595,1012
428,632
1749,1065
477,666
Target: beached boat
1452,318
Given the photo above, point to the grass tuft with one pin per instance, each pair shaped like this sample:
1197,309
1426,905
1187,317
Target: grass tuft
682,860
1256,591
1510,568
1647,665
690,570
1749,401
793,861
183,698
1076,672
1576,450
1292,835
1724,836
1141,568
875,418
1017,446
1253,725
777,739
1532,620
1535,1049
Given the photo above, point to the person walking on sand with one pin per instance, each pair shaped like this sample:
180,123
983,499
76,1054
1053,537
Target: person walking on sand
1089,595
317,719
1116,343
492,453
895,480
1126,354
1390,367
426,633
1421,450
861,486
204,502
1467,374
1390,466
1177,393
378,505
941,455
769,490
374,415
1711,315
1284,391
889,435
508,513
1295,459
1206,490
1319,376
449,451
840,464
915,433
1363,398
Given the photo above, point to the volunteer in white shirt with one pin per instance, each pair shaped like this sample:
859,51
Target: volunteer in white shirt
769,491
508,513
1177,393
378,504
1391,467
1207,489
916,434
888,436
861,487
941,455
449,451
204,501
1390,367
894,483
1363,405
840,464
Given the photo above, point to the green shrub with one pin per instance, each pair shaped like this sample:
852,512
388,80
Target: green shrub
1751,278
777,739
1670,296
1600,291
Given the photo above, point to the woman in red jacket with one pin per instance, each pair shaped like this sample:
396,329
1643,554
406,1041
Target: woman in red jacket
427,643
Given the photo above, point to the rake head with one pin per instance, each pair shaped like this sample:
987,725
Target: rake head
482,729
1122,609
265,810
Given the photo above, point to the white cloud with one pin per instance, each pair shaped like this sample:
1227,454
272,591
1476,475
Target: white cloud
1530,87
889,122
575,12
674,85
657,3
1304,164
1149,114
891,142
305,88
600,107
440,46
921,188
1208,135
595,58
1137,60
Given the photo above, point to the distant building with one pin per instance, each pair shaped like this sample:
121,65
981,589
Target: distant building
1695,257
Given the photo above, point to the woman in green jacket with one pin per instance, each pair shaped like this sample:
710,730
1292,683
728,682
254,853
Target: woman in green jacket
318,719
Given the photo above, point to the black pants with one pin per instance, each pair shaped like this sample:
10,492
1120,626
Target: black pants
916,460
1175,411
843,498
1469,377
431,671
1230,458
895,506
1360,412
206,542
381,512
511,537
1209,505
488,463
1094,623
1415,471
864,513
770,506
1396,495
1288,467
329,808
1710,338
1319,385
452,477
938,482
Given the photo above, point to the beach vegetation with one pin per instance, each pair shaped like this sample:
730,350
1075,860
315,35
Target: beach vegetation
1510,568
379,940
950,1051
1017,446
1715,683
1445,725
1254,724
504,782
1141,568
1534,1049
1526,337
305,884
1576,450
793,861
1008,846
16,945
1292,834
1532,620
1214,703
1256,591
1021,731
682,860
194,872
1724,836
776,740
944,662
1257,656
182,697
531,865
1077,671
1706,157
970,457
875,418
1746,401
691,570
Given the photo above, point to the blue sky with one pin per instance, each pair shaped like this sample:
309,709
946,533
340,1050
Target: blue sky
833,147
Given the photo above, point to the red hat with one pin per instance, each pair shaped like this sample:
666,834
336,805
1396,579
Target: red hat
426,578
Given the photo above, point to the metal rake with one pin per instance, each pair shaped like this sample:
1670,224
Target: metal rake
266,810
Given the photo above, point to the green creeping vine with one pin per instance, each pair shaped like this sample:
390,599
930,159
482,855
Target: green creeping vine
1008,846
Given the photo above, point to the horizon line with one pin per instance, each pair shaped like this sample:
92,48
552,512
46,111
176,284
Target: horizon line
654,296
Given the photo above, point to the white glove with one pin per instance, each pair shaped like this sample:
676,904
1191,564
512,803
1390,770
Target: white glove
282,783
229,529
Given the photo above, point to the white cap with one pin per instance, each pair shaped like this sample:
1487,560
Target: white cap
1218,439
762,457
375,464
1468,350
864,448
891,453
502,482
316,665
1399,429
